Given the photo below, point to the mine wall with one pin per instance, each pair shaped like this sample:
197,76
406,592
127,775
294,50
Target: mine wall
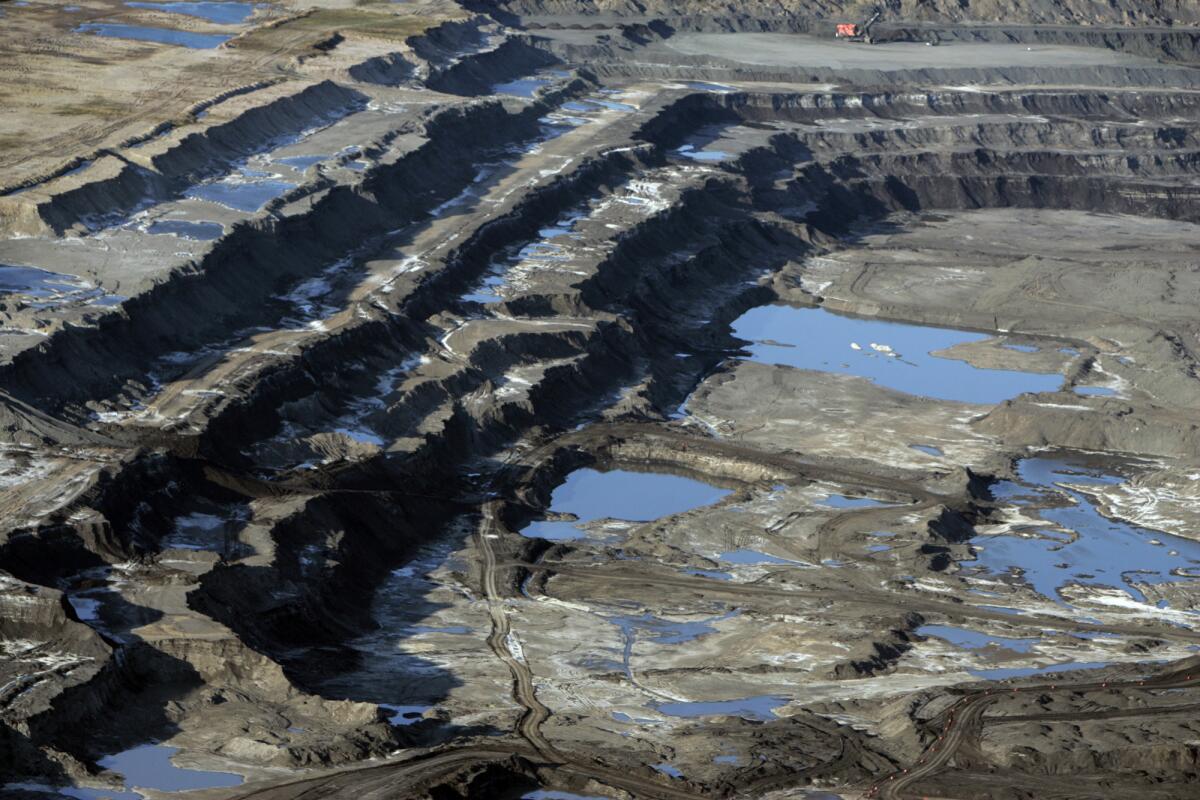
652,318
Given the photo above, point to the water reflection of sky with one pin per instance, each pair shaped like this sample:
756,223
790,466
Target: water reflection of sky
892,354
1099,552
620,494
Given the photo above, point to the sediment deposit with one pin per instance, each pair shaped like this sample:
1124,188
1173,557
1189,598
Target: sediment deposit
599,399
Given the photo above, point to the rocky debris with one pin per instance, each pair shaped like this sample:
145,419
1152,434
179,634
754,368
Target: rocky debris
302,388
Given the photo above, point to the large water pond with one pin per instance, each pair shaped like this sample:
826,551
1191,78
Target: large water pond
145,767
896,355
142,33
620,494
50,289
1080,545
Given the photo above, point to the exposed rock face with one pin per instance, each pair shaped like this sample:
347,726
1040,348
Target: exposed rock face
626,399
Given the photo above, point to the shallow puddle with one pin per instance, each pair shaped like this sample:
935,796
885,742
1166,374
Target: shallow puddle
545,249
225,13
759,707
620,494
141,33
302,163
1096,391
698,154
1099,552
184,229
405,715
36,282
715,574
974,640
1005,673
660,631
1012,612
51,289
665,631
754,557
456,630
521,87
704,86
844,501
76,792
239,194
892,354
592,104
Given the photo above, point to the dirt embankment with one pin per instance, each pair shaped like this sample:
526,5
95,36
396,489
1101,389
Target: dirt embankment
272,509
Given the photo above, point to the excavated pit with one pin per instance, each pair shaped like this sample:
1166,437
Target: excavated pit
555,404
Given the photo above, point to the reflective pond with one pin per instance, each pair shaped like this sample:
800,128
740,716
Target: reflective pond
1093,549
239,194
149,766
892,354
51,289
141,33
754,557
701,154
1096,391
36,282
521,87
974,640
660,631
620,494
845,501
760,707
1006,673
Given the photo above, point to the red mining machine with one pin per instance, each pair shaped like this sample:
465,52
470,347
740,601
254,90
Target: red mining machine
853,32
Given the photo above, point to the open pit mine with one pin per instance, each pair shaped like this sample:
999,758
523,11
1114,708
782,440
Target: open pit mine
585,399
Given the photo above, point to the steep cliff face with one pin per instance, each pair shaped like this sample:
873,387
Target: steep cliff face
623,399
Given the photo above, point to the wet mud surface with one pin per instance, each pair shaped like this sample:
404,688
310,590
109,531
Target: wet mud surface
550,400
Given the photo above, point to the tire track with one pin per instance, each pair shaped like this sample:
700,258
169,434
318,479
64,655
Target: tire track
962,723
